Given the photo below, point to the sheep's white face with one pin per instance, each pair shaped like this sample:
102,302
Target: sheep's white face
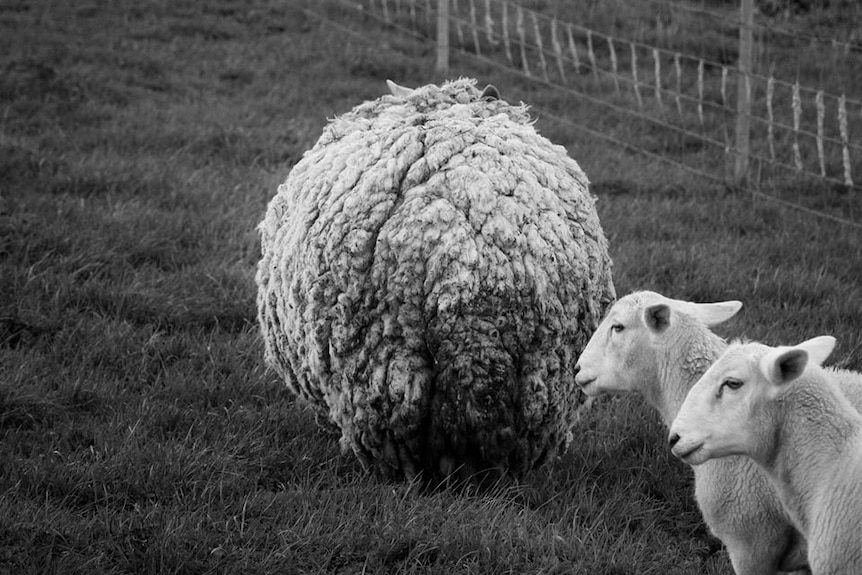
729,410
622,355
716,417
617,358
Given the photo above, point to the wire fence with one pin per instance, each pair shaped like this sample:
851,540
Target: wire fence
802,134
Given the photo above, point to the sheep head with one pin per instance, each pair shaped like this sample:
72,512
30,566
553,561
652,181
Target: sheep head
730,410
622,356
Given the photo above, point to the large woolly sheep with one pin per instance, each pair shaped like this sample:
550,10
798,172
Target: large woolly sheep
659,347
431,269
779,407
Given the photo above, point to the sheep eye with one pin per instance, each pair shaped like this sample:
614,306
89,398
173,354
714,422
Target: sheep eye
730,384
616,328
733,383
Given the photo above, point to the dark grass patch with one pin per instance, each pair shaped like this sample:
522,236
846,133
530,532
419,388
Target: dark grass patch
164,311
26,411
209,30
22,166
41,93
32,79
101,186
237,77
226,147
17,332
51,549
809,192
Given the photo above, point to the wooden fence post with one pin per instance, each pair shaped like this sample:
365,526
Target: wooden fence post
442,66
743,99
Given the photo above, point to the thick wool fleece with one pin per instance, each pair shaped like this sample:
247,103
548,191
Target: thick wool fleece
431,269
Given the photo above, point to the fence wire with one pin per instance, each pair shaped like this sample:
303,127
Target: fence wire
670,91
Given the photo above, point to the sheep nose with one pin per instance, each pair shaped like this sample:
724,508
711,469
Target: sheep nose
577,368
673,439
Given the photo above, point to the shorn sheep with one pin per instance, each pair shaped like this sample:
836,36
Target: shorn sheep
430,270
659,347
779,407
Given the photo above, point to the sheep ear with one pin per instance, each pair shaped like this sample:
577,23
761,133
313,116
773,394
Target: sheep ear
398,91
818,348
784,364
490,93
657,317
711,314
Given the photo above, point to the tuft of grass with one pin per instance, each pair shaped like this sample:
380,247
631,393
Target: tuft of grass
140,430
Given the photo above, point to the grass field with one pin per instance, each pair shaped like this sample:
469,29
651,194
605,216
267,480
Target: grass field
139,429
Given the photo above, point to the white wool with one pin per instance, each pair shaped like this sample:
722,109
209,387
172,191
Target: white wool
792,417
429,270
735,497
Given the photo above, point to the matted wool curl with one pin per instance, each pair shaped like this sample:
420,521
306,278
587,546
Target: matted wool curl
431,270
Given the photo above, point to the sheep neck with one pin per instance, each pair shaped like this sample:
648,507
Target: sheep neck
686,353
813,424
